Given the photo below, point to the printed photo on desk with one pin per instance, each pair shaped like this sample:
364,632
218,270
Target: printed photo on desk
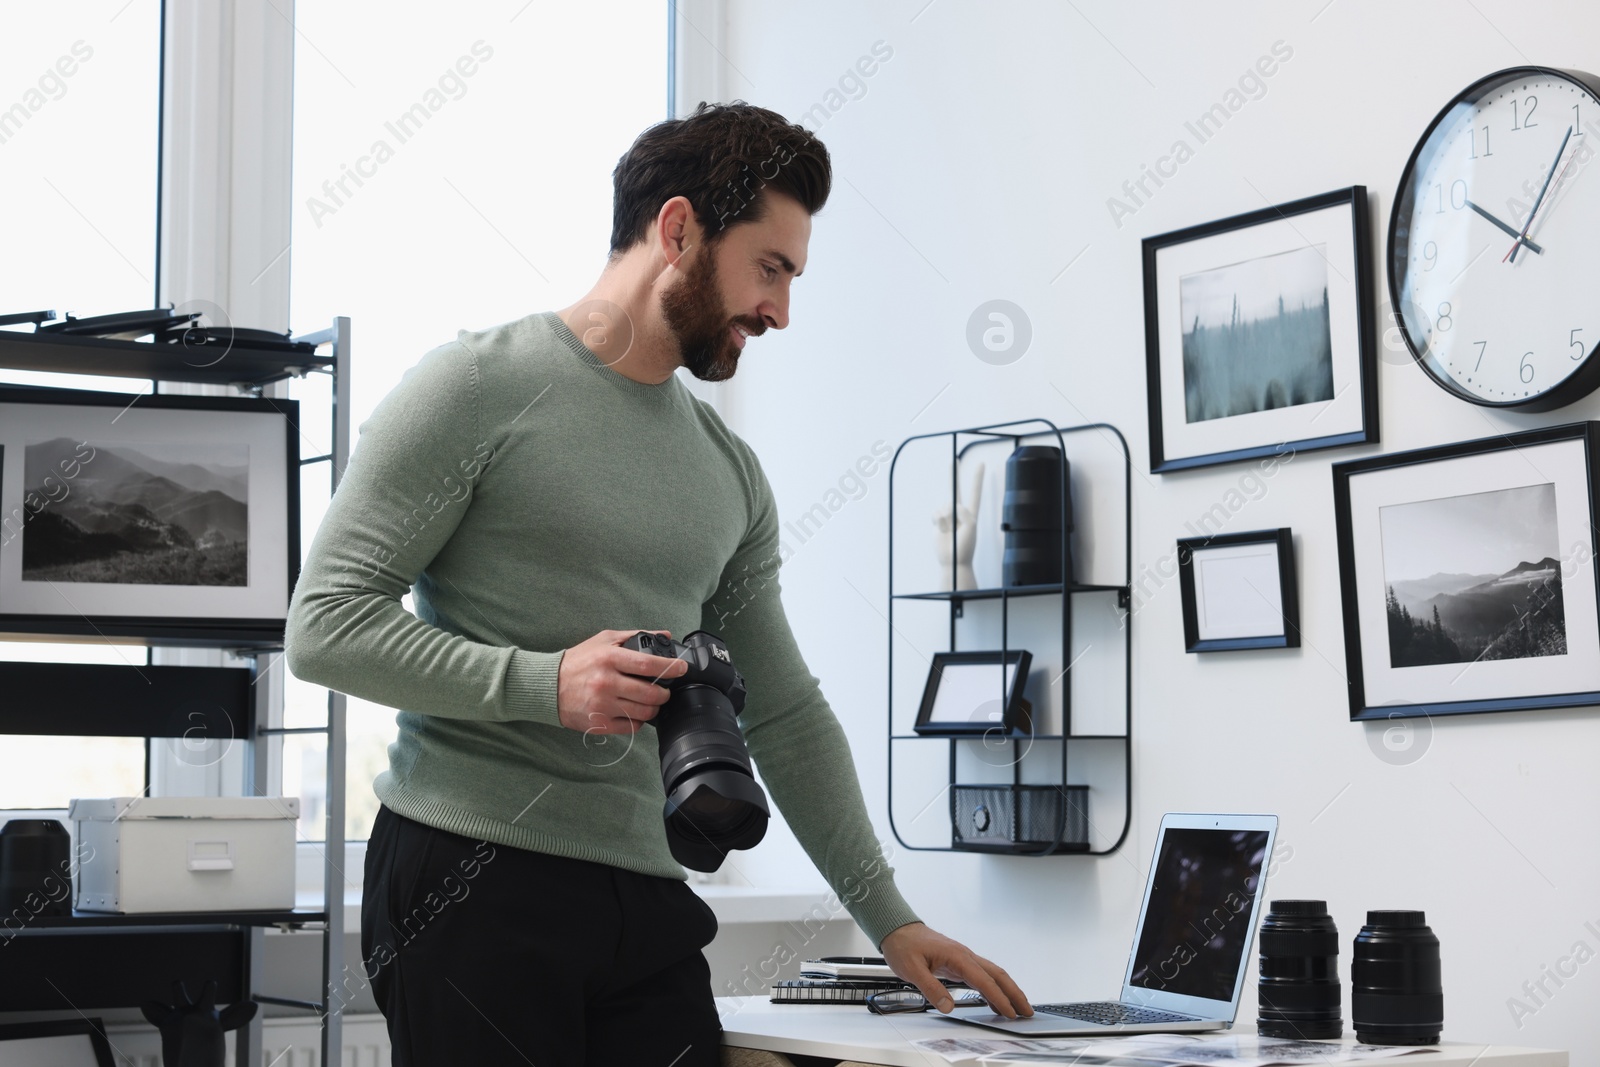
1468,577
147,516
1258,334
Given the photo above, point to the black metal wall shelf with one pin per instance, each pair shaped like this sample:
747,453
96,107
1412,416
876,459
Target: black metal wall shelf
101,960
1015,433
236,363
289,917
133,700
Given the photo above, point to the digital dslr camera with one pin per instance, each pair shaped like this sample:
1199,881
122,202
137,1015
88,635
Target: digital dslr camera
713,802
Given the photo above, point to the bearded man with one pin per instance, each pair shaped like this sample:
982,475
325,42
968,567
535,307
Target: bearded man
547,488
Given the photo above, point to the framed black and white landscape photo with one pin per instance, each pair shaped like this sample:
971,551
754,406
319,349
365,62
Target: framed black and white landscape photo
1239,591
1259,334
160,517
1468,577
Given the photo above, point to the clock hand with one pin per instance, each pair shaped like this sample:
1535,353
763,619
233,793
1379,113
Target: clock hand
1521,239
1551,173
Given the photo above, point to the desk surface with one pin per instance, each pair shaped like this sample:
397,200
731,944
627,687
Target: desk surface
849,1031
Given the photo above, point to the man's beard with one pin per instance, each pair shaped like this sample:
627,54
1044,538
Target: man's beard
700,324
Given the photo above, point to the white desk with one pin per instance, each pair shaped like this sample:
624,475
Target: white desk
850,1032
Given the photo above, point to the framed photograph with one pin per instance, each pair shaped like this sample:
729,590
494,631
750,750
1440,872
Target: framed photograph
975,693
1468,578
1239,591
159,517
1259,334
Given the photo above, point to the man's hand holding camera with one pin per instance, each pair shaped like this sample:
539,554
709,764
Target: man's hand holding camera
603,688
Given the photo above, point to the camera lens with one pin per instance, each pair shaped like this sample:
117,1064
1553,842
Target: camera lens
1299,989
713,802
34,856
1032,517
720,818
1396,997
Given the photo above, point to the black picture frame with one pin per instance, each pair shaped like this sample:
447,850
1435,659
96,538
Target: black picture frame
935,720
1328,399
1272,615
1532,609
211,467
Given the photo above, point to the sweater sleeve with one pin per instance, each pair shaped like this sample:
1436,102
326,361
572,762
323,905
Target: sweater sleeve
404,492
794,736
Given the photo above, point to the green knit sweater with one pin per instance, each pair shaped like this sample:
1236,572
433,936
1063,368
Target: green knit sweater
530,497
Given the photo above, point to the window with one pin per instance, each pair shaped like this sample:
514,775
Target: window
452,170
48,771
80,98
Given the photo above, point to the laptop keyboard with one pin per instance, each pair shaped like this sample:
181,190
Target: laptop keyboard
1109,1013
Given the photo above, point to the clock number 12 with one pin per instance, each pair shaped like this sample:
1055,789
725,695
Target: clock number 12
1527,119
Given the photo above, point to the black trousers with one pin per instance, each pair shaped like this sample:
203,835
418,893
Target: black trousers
482,954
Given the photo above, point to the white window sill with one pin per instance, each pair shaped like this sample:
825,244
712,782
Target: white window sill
745,904
731,904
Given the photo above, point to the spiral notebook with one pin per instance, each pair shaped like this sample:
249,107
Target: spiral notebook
830,990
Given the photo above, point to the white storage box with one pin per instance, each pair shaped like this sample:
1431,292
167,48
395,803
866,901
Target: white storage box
157,854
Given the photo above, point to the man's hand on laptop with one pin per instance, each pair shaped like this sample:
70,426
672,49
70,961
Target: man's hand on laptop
919,954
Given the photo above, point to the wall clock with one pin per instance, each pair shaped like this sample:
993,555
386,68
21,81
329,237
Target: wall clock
1492,267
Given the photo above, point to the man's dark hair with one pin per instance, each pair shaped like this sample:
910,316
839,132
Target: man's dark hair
722,158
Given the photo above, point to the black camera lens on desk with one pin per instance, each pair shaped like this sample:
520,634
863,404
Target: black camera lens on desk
1299,990
1396,995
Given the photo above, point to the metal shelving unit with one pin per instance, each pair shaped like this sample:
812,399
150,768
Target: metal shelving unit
1016,433
121,960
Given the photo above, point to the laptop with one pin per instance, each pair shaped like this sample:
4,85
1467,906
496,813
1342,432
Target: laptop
1192,943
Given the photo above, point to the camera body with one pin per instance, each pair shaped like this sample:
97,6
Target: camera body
710,663
713,802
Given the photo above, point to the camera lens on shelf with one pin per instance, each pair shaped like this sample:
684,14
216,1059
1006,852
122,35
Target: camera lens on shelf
1396,995
34,857
1299,985
1032,517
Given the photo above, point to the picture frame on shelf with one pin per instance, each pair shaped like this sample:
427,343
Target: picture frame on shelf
1239,591
975,693
1259,334
1467,575
158,517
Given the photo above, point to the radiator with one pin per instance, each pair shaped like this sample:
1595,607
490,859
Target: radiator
284,1043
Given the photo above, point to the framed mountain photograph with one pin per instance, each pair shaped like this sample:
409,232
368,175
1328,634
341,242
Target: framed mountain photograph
1259,334
149,516
1468,576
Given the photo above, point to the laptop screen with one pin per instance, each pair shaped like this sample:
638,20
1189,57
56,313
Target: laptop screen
1197,924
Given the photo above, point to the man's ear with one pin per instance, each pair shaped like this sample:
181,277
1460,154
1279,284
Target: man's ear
677,230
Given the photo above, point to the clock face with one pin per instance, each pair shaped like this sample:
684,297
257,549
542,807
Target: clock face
1492,265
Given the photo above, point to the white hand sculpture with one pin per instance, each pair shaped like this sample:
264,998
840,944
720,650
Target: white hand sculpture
966,538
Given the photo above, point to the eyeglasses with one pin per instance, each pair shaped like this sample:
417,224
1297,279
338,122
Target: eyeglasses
901,1001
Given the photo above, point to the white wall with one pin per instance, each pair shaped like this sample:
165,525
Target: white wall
977,164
